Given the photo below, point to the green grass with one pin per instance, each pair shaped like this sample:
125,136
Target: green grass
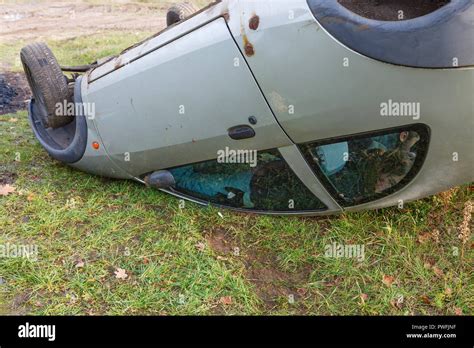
184,261
77,51
191,260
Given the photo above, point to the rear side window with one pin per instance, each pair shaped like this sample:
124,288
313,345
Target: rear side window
362,168
264,183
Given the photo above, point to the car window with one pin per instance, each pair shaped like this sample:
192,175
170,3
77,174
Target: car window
362,168
265,184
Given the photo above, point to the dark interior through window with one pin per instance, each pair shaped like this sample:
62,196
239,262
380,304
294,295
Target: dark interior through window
388,10
267,185
364,168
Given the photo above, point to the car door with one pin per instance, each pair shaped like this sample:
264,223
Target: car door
182,103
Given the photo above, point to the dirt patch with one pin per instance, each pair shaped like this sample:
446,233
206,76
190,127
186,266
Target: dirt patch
220,241
388,10
14,92
56,20
7,177
271,284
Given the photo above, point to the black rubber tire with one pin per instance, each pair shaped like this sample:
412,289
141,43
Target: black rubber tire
180,12
47,82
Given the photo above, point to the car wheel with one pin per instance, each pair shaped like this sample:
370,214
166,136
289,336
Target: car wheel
47,82
180,12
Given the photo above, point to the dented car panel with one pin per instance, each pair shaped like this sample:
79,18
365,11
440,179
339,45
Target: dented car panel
155,113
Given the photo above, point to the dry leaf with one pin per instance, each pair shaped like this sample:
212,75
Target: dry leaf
363,298
398,302
388,280
226,300
457,311
424,237
30,197
5,190
439,272
464,229
435,236
146,261
120,273
302,291
425,299
201,246
79,264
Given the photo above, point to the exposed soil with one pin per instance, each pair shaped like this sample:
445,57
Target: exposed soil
7,177
262,270
14,92
388,10
55,20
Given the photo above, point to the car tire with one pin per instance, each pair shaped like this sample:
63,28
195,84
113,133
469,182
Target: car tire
47,82
179,12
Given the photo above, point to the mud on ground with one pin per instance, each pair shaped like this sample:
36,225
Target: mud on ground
14,92
55,20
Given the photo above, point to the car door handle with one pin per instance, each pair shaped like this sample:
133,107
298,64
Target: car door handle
241,132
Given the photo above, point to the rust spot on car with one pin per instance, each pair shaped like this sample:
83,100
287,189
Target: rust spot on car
248,47
363,27
254,22
118,63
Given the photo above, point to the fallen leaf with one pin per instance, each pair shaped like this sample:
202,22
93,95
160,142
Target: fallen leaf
429,262
120,273
146,261
439,272
226,300
302,291
30,197
201,246
425,299
5,190
448,291
435,236
398,302
79,264
457,311
388,280
363,298
424,237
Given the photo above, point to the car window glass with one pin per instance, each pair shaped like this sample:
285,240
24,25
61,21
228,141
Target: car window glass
363,168
266,183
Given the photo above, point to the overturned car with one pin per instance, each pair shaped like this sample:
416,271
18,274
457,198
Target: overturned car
280,107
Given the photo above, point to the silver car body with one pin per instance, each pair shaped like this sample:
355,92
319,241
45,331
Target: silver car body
170,100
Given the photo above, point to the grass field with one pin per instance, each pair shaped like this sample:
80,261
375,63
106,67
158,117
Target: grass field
116,247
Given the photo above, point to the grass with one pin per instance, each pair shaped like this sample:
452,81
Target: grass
192,261
77,51
203,261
